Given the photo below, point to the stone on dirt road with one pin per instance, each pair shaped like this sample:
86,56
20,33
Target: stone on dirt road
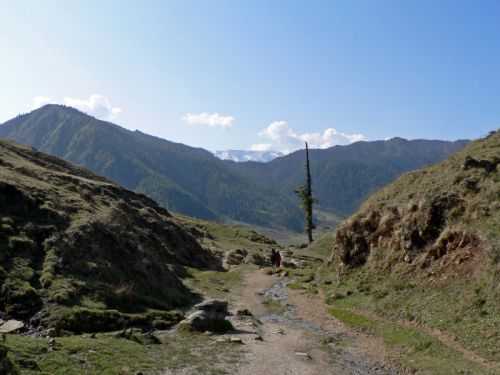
303,355
243,312
236,340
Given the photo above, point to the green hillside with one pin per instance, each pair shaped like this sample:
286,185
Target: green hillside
193,182
426,250
80,253
183,179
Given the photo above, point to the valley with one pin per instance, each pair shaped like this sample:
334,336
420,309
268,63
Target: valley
97,279
249,187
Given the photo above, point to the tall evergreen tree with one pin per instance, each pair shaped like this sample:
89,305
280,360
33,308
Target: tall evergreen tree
304,193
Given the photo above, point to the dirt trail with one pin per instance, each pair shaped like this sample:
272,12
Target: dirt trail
301,338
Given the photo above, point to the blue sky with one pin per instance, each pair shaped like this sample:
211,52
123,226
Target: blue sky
261,74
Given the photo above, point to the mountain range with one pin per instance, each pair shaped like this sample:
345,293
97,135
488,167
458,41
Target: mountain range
194,182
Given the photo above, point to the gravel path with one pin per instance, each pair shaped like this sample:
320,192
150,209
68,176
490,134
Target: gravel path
293,344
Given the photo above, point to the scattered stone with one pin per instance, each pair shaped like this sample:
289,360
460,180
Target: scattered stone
221,340
289,264
235,257
11,326
259,338
52,332
303,355
257,259
236,340
243,312
278,331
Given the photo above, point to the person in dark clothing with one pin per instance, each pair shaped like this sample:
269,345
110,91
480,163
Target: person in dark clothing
278,259
273,258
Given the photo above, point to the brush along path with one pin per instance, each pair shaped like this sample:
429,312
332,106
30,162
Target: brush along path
292,343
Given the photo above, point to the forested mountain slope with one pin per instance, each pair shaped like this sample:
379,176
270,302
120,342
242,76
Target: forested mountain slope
188,180
194,182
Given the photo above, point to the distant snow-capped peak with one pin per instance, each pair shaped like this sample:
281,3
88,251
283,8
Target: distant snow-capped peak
248,155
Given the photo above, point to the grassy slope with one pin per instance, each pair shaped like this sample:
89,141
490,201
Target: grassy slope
68,238
106,354
457,296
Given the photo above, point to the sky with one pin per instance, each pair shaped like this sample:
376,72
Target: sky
259,74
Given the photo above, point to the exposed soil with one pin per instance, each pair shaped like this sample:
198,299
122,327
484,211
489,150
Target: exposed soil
301,338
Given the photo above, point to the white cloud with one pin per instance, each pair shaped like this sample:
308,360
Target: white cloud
283,138
40,101
261,147
209,119
96,105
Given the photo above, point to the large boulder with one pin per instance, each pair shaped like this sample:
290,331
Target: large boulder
209,315
11,326
235,257
257,259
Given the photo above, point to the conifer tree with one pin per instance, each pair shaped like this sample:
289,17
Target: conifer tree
304,193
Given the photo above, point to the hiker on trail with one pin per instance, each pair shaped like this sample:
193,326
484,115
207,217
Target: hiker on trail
278,259
273,258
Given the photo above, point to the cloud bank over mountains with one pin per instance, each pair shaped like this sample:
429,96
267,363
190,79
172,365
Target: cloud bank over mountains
280,137
96,105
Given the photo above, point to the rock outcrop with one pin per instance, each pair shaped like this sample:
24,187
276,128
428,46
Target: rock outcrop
441,217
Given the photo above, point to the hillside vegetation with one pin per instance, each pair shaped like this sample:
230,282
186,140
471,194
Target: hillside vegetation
426,250
194,182
80,253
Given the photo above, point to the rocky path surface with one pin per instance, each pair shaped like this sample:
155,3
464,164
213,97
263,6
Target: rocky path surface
299,337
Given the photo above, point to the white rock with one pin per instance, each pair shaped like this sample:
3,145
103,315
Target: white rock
303,355
11,326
